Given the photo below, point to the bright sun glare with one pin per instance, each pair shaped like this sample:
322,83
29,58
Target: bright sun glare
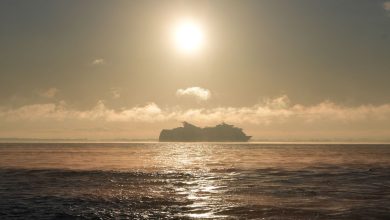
188,36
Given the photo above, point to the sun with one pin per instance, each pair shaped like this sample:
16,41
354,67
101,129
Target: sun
188,36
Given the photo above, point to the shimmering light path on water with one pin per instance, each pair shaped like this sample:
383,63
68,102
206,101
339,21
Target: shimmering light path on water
194,180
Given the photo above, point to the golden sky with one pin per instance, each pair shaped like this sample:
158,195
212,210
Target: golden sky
282,70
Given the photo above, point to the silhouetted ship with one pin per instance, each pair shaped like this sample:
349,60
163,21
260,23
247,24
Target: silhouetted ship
191,133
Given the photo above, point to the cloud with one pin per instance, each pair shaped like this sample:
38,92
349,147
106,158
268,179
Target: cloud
115,93
98,61
49,93
386,6
61,111
272,111
197,92
276,118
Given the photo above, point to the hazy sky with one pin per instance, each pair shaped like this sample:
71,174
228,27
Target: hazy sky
290,69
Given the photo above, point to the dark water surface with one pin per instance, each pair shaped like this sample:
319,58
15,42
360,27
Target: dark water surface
187,181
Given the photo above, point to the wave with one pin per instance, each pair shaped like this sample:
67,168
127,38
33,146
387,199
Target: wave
318,192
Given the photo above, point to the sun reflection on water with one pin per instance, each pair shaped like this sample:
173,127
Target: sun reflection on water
205,189
205,195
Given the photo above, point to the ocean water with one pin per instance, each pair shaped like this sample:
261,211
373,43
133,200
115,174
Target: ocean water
194,181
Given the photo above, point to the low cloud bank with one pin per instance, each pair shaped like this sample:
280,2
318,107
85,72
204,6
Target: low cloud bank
279,110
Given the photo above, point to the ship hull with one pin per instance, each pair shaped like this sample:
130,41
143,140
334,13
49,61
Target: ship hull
191,133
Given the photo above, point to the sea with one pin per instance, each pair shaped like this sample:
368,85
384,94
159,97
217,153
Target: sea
194,181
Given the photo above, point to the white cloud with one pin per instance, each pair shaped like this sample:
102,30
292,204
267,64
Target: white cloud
98,61
197,92
49,93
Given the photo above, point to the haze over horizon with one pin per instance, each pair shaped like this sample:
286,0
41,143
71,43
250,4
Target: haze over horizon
305,70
